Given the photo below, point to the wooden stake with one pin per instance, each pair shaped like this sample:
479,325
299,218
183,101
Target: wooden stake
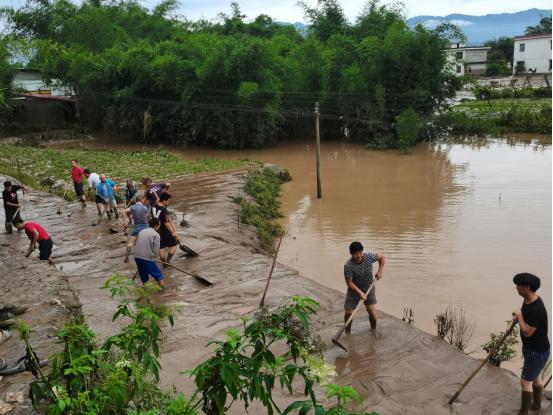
494,351
318,143
262,302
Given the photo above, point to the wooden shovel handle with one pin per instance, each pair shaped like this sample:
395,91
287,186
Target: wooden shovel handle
349,320
490,354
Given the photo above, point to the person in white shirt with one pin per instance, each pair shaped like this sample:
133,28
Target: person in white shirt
93,180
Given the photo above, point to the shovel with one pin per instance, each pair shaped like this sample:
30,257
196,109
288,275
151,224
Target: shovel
204,279
339,333
61,201
101,216
182,246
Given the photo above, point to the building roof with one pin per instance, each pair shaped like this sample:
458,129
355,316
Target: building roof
469,48
524,37
50,97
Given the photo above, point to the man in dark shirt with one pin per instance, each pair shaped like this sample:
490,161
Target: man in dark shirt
153,191
167,233
532,320
11,203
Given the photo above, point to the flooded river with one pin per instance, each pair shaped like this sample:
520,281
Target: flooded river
455,221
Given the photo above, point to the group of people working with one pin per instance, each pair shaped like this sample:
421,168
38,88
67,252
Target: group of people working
153,235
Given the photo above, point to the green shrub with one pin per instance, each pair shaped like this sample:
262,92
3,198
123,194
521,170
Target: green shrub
408,126
506,351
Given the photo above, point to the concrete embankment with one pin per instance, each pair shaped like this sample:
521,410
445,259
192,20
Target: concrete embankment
398,369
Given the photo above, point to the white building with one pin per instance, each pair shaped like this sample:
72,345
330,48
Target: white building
532,54
463,60
31,82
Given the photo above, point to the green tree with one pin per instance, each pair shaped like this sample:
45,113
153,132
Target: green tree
500,55
408,127
544,26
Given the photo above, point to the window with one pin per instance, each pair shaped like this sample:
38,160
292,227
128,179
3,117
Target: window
459,68
521,47
549,65
459,55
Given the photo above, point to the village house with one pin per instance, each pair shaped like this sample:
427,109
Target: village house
467,60
532,53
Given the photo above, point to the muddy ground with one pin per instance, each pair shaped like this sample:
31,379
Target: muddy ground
398,369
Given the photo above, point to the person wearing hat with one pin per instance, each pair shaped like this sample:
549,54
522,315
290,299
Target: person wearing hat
358,272
532,320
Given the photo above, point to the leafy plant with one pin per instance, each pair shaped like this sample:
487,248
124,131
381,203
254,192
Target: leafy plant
408,127
508,348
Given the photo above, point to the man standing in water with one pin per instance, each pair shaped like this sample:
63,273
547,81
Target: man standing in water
167,230
11,203
105,190
37,234
145,253
77,173
532,320
93,180
138,212
358,272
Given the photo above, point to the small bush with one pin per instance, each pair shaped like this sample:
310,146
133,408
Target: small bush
506,351
454,327
408,126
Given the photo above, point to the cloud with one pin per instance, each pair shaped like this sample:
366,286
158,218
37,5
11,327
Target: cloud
461,23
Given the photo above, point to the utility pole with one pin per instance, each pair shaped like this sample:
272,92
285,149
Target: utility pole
318,141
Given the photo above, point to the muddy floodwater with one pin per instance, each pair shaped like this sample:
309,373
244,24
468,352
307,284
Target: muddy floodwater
455,221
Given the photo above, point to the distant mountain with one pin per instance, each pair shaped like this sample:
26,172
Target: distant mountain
479,29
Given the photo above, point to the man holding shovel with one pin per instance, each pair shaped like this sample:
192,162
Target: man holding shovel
77,174
93,180
37,234
532,320
146,251
358,272
105,190
138,213
11,203
167,231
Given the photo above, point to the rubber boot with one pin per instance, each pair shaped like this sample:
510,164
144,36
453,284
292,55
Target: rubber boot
373,323
348,327
525,401
536,404
168,259
9,229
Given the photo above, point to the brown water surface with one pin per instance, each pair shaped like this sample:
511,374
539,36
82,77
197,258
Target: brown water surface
455,221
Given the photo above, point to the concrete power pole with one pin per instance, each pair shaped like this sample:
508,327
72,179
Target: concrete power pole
318,141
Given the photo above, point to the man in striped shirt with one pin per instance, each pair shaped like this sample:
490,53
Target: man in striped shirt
358,272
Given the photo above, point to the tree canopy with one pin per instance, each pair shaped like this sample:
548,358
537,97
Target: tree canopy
544,26
237,82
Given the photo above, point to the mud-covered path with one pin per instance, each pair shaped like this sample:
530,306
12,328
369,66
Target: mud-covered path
398,369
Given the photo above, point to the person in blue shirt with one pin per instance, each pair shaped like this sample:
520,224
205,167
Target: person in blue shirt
105,190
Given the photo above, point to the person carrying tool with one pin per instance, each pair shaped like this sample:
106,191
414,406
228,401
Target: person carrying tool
77,174
154,190
146,251
37,234
169,242
105,190
138,212
532,320
11,203
93,180
358,272
131,192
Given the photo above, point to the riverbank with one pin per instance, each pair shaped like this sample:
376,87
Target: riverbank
397,369
498,116
52,302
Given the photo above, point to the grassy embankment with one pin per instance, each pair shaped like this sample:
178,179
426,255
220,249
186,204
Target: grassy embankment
48,169
496,116
263,185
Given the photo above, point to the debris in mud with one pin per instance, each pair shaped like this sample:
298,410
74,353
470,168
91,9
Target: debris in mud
14,397
5,407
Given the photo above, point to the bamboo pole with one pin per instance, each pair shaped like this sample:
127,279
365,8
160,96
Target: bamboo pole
262,302
318,143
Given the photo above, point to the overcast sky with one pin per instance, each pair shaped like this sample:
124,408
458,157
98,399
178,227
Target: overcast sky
288,11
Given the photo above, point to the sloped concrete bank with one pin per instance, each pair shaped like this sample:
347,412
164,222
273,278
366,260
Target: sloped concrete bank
398,369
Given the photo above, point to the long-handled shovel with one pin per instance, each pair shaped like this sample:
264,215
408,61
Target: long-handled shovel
494,351
182,246
204,279
262,302
339,333
101,216
61,201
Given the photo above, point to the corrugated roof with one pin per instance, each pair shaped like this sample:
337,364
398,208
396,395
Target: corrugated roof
71,98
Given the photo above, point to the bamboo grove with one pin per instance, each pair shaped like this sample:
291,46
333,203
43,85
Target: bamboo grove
234,81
